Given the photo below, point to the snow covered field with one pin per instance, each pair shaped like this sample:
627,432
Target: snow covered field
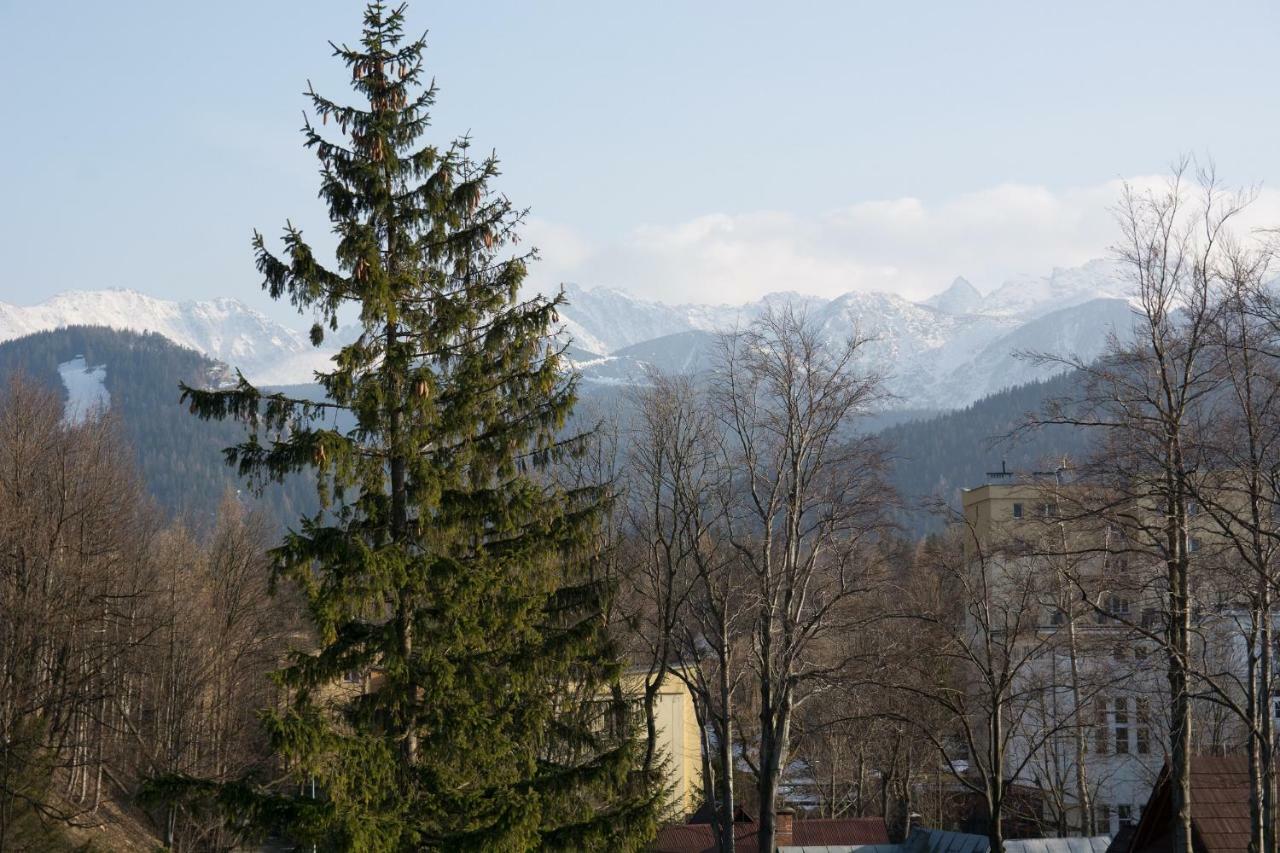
86,389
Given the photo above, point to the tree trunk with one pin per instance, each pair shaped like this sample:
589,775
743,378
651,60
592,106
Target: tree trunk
651,688
775,728
1267,741
1253,709
399,525
995,780
724,751
1087,827
1179,692
995,821
1266,723
768,789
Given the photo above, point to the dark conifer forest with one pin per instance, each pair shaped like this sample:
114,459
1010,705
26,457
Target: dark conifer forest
182,463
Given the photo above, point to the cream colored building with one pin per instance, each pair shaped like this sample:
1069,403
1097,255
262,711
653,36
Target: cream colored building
1001,512
1012,525
1016,526
678,741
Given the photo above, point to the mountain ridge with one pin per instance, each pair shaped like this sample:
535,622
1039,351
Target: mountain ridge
943,352
223,328
933,454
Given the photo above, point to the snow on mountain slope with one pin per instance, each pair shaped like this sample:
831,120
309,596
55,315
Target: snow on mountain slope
224,329
86,389
687,352
592,319
911,344
960,298
603,320
944,352
1031,296
1079,332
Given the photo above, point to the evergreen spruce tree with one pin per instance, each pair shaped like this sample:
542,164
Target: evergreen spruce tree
449,566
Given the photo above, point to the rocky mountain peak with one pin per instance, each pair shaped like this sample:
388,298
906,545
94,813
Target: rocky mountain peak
960,298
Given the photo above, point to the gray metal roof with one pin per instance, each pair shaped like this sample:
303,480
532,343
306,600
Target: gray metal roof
1097,844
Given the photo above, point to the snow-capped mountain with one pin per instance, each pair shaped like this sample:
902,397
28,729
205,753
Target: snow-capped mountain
602,321
940,353
1030,296
960,298
943,353
224,329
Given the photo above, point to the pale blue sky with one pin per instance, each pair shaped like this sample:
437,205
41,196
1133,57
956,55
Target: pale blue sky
145,140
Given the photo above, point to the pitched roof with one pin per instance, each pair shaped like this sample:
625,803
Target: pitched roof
686,838
1219,808
700,837
856,830
1220,802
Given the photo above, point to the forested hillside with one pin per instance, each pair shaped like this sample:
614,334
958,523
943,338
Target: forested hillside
180,458
939,456
182,461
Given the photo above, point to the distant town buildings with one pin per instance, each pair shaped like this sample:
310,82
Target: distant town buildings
1092,706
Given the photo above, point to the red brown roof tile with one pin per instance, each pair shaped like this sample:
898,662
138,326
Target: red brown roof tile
1219,808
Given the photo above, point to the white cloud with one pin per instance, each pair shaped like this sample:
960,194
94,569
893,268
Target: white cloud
904,245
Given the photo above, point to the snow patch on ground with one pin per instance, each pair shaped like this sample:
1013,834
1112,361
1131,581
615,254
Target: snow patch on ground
86,389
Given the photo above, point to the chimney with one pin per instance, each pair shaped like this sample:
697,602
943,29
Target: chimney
784,826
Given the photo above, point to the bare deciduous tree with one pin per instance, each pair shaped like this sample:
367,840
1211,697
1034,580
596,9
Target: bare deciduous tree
682,603
125,648
1144,399
73,534
982,646
806,500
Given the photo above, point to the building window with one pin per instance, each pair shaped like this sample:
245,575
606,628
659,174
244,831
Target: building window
1121,720
1104,818
1193,508
1125,813
1100,728
1193,544
1049,510
1017,510
1142,735
1118,606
